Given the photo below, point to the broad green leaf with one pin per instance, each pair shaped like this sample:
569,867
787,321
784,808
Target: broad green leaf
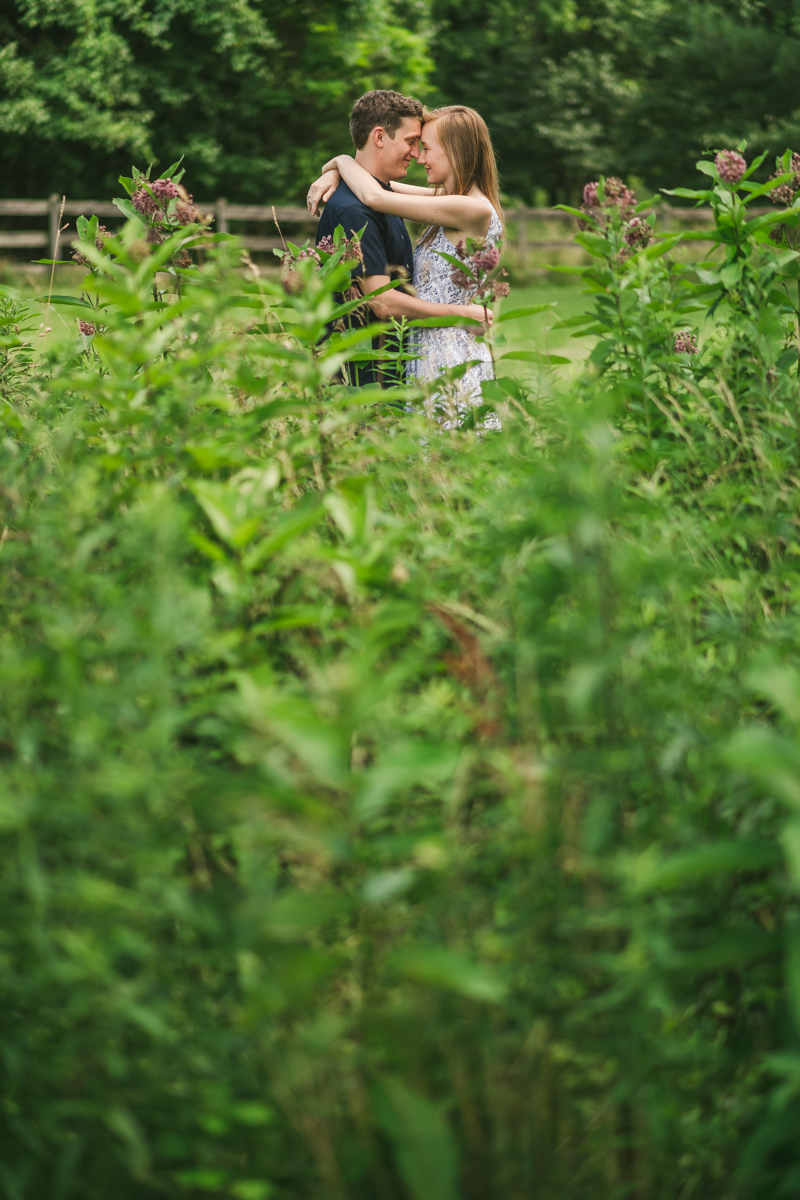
780,683
440,968
715,858
593,242
535,356
386,886
773,759
406,764
688,194
127,210
445,322
769,186
728,949
793,972
293,525
291,916
423,1145
524,312
227,510
73,301
454,261
319,747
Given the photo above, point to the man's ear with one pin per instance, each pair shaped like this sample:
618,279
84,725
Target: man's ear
378,137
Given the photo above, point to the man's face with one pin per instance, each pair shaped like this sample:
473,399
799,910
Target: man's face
397,152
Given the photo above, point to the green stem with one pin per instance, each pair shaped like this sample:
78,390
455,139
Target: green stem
486,338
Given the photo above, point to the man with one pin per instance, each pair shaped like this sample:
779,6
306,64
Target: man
386,128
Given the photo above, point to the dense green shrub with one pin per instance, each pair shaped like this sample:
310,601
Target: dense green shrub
257,92
391,810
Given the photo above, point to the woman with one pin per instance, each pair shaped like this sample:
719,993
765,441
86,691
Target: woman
462,201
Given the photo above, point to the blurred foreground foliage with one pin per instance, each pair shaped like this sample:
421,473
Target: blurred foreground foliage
393,811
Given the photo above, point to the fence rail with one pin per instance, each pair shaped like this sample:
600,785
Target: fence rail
224,213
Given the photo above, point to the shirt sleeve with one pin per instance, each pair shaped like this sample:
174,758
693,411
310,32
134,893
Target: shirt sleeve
373,245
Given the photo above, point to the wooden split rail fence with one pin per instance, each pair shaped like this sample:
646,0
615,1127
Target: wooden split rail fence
520,220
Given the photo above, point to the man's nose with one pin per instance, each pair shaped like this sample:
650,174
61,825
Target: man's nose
415,152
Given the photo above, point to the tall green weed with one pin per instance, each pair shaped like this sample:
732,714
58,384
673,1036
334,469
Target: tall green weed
386,808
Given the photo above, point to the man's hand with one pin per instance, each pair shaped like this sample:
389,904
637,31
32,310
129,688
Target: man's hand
322,189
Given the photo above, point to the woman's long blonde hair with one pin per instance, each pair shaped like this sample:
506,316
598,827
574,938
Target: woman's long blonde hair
468,146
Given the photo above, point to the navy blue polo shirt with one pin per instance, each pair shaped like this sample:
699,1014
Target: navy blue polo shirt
384,244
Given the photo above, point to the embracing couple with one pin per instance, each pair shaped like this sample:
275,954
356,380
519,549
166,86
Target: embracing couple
365,192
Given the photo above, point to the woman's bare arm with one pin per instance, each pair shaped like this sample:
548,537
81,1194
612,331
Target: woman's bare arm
394,304
323,188
456,212
410,189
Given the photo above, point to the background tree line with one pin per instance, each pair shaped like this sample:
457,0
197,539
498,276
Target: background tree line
255,92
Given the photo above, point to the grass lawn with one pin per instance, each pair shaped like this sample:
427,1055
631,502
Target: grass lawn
542,332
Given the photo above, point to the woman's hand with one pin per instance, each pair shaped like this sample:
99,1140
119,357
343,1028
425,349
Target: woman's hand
333,163
322,189
473,311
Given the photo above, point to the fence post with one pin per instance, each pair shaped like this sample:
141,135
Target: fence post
53,212
522,236
221,215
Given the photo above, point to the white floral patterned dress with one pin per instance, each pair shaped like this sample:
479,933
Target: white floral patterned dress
440,349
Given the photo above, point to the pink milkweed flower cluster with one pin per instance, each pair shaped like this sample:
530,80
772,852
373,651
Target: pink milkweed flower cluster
287,259
351,248
616,196
730,166
99,241
636,233
292,280
481,273
613,211
187,212
144,203
87,328
487,260
163,190
786,192
685,342
154,203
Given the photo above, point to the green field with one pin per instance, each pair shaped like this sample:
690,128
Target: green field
543,332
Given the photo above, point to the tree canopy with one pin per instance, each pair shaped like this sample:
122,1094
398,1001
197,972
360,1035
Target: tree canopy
253,92
573,88
250,91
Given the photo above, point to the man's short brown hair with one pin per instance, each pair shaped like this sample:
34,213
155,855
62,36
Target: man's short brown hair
387,109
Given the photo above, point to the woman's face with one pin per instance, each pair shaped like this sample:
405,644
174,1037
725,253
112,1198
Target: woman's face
433,158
